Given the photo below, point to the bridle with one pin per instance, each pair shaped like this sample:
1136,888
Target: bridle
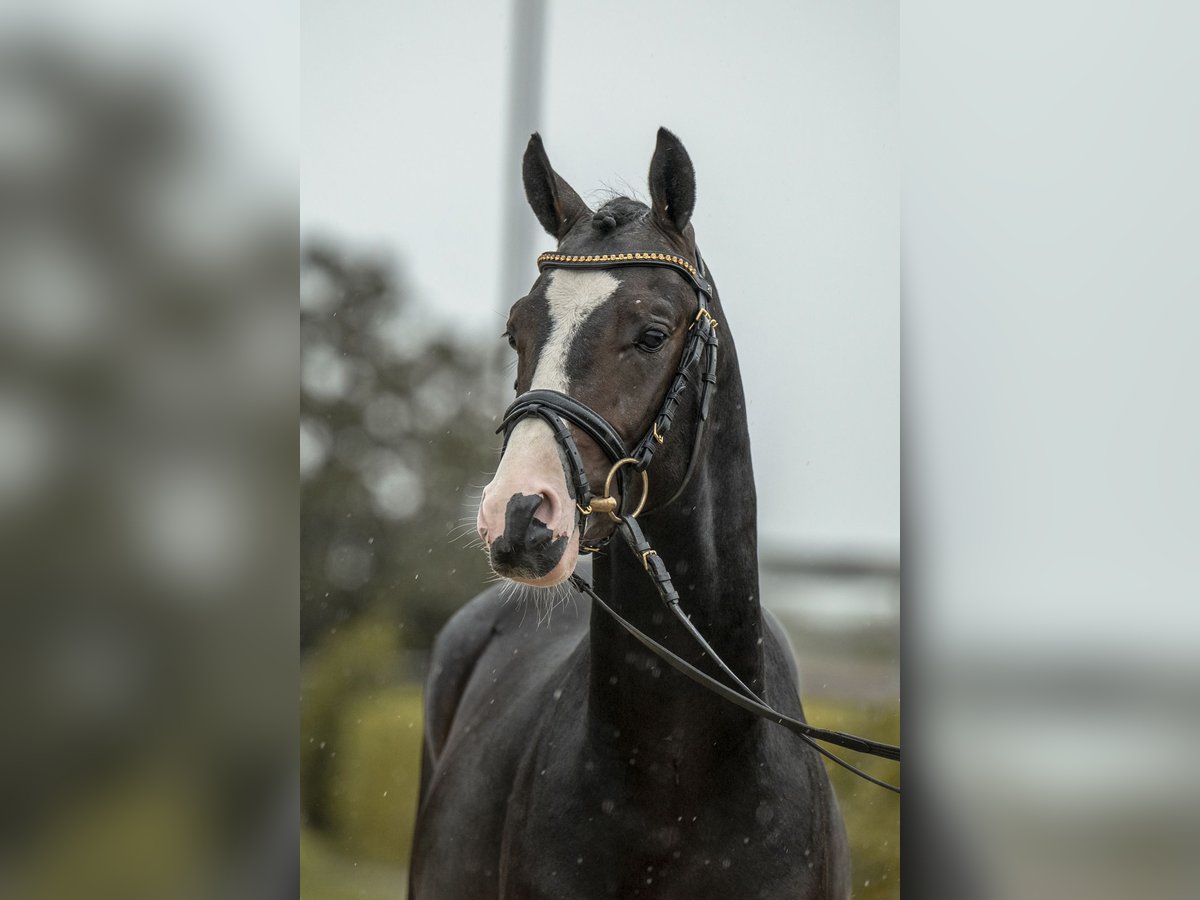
554,406
557,409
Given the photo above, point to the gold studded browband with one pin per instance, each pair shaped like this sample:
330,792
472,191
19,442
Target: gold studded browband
616,258
613,260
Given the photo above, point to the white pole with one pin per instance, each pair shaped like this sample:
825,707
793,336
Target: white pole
524,115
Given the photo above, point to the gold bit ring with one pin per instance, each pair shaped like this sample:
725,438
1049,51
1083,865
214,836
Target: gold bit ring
612,473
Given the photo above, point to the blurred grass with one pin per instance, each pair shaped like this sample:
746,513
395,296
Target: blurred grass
129,839
360,728
377,774
872,814
328,874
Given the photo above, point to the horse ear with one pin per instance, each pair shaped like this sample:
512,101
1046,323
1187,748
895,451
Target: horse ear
554,202
672,182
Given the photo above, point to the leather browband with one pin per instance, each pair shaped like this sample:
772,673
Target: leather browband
616,260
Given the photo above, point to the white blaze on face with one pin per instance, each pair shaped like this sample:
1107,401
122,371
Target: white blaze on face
573,296
532,464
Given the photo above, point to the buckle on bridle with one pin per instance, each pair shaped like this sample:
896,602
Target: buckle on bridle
703,313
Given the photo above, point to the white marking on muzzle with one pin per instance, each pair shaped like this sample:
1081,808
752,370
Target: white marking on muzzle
532,462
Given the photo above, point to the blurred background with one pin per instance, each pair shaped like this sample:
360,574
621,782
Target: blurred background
417,239
148,548
1052,624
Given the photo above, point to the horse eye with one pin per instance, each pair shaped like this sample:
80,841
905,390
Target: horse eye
652,340
508,336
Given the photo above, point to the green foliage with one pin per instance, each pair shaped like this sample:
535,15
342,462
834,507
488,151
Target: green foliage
376,776
872,814
397,415
326,874
359,659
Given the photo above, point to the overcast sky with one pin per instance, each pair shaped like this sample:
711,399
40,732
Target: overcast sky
789,111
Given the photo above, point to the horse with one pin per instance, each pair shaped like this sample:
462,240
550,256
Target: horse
561,758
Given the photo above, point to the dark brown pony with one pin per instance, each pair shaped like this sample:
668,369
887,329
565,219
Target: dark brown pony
565,760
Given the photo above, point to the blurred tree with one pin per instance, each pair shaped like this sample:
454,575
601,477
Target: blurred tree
396,422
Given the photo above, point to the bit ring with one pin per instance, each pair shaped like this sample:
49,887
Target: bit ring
610,507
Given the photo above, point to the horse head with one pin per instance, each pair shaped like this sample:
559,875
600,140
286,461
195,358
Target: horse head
610,338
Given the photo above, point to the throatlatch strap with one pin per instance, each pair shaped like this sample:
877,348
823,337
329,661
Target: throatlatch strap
701,340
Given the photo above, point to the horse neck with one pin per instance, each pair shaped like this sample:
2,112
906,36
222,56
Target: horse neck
708,540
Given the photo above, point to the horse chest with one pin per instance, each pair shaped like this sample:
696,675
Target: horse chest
627,852
595,824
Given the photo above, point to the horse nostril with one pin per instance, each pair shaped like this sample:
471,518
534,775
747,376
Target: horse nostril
526,547
538,536
519,521
524,531
548,510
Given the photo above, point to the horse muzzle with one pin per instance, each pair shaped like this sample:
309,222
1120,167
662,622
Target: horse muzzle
527,517
528,549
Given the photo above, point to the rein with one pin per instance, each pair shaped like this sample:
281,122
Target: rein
557,408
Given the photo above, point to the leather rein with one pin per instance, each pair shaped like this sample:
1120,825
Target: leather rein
557,409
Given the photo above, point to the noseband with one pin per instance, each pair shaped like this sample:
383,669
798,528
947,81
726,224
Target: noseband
557,408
